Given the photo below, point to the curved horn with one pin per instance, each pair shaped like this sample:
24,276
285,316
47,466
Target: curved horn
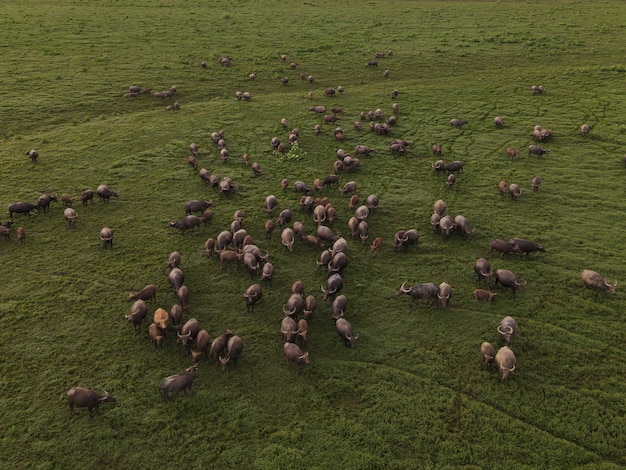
323,290
510,330
179,335
500,330
404,289
512,369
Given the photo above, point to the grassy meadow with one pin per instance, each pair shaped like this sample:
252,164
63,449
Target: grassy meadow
413,392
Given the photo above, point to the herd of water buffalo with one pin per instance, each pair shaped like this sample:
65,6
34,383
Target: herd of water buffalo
236,246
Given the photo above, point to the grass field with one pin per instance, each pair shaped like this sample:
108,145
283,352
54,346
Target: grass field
412,393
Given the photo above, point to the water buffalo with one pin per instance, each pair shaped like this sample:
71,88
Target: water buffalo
33,154
503,247
267,273
537,150
173,260
288,329
175,278
507,328
189,332
376,245
363,150
104,193
526,246
427,291
338,307
182,294
405,238
179,382
253,294
487,353
219,344
203,342
498,122
287,238
156,335
197,206
444,294
338,263
284,217
86,196
147,293
446,226
334,284
233,348
515,191
344,330
507,279
439,207
310,304
161,318
596,281
70,215
482,268
326,234
43,202
462,225
106,237
454,166
457,123
85,398
483,295
138,312
294,306
270,203
224,239
535,182
176,315
21,208
584,129
348,188
294,354
186,223
505,358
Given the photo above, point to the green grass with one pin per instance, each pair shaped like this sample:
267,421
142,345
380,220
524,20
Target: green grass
413,393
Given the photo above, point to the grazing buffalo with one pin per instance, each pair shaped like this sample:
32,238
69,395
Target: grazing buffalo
106,237
189,332
505,358
526,246
233,348
507,329
85,398
197,206
179,382
487,353
537,150
21,208
427,291
105,193
458,123
439,207
507,279
444,294
294,354
596,281
294,306
483,270
334,284
503,247
483,295
446,226
344,330
219,344
147,293
175,278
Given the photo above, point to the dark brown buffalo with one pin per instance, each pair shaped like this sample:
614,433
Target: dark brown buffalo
85,398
